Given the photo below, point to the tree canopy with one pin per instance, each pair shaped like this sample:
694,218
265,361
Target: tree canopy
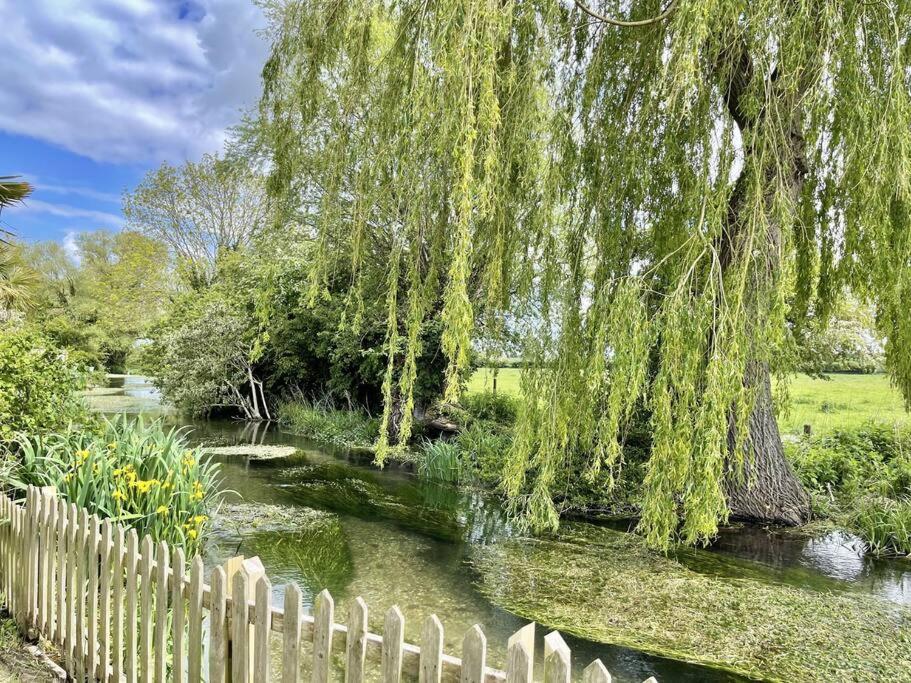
658,206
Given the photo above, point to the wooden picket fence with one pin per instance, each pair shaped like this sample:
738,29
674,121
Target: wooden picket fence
121,609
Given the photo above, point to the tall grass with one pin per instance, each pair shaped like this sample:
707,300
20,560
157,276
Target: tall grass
129,471
323,423
440,461
884,524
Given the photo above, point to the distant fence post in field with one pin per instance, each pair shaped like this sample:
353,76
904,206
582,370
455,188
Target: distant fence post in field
123,608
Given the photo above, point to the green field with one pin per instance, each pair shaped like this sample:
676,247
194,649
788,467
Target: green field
840,402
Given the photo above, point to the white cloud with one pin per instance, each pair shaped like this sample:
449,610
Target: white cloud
129,81
103,218
70,246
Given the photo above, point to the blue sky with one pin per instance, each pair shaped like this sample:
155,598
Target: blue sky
97,92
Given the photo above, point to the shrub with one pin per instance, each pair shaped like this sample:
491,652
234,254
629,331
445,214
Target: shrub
130,472
344,428
874,459
38,385
484,451
487,405
440,461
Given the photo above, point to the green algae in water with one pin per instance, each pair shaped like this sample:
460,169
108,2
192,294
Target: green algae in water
604,585
297,544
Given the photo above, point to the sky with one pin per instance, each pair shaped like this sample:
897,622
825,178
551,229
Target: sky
95,93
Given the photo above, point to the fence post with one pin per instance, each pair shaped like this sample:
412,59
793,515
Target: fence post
520,655
556,659
253,568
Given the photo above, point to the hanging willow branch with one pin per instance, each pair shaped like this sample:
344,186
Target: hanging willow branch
655,213
622,23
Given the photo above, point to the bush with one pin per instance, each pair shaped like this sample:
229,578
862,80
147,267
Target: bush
867,475
130,472
344,428
487,405
874,459
38,385
484,451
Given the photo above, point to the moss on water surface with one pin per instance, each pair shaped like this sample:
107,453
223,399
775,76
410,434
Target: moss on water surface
605,586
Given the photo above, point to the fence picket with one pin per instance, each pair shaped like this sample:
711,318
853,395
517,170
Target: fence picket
117,565
91,643
474,655
162,568
72,553
520,655
59,633
393,645
104,601
356,643
240,619
48,560
145,610
323,619
82,577
263,627
431,667
178,614
291,636
32,511
130,654
596,672
556,659
194,649
218,637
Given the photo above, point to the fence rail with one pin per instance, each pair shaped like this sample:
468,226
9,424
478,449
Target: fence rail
121,609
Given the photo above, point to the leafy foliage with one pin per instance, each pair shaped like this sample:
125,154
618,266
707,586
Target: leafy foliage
863,478
38,385
440,461
128,471
99,306
651,205
200,210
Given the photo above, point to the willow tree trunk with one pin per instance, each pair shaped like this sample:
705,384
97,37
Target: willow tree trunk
760,484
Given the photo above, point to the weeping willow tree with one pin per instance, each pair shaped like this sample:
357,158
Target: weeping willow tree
660,195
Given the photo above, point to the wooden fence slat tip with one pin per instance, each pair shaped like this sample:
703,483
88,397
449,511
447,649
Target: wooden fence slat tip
393,644
474,655
596,672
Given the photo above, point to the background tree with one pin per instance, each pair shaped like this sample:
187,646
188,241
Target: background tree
659,188
101,305
199,210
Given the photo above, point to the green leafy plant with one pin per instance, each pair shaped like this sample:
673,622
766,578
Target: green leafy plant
38,385
488,405
485,451
136,473
440,461
883,523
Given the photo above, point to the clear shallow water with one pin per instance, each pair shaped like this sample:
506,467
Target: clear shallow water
397,540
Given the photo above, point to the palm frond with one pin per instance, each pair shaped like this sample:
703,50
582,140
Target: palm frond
13,190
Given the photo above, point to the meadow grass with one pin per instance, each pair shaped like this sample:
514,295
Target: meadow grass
839,402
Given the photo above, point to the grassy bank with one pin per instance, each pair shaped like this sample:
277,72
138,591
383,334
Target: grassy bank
341,428
841,402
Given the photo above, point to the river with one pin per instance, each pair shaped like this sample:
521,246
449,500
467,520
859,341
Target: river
395,539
